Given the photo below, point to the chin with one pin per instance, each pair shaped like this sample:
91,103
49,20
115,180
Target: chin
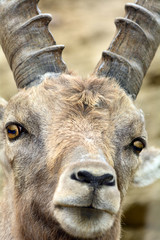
83,222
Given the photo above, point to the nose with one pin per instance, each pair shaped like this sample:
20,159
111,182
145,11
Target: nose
95,181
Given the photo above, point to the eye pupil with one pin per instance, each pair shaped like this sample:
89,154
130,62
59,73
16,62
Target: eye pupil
138,146
13,131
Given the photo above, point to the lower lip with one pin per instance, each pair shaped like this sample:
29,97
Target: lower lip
88,212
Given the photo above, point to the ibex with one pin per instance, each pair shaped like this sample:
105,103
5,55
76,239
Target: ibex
70,145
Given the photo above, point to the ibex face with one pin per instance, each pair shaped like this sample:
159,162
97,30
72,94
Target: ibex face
72,145
75,154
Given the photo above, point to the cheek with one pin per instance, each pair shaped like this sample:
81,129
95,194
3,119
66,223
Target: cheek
53,163
10,153
130,161
126,164
4,160
28,163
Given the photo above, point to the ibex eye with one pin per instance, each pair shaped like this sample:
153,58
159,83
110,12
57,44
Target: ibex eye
14,131
138,145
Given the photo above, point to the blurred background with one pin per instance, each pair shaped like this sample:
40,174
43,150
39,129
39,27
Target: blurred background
86,28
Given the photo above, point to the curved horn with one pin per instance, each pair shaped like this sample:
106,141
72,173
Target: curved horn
27,43
133,47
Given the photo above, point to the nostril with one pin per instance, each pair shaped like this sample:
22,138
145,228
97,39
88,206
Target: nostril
73,176
82,176
86,177
107,179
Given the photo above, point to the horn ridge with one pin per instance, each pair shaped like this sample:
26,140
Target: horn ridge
126,68
151,5
25,37
37,60
133,48
46,17
25,31
126,25
145,17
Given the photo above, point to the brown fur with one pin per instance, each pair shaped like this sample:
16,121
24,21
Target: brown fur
68,120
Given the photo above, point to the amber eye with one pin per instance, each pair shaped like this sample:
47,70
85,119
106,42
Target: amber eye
138,145
14,131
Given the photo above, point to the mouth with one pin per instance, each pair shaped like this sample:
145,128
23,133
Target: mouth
86,210
84,221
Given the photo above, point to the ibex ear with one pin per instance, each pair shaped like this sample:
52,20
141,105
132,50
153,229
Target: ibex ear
3,160
149,170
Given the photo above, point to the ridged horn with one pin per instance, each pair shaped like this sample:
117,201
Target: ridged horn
133,48
29,47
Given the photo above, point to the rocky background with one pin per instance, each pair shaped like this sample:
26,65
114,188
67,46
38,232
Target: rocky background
86,27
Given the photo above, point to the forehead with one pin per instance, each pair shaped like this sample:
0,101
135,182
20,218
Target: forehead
99,102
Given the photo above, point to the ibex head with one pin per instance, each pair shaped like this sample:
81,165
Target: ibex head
72,145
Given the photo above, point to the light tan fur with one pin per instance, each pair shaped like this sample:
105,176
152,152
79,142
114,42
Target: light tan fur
72,125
